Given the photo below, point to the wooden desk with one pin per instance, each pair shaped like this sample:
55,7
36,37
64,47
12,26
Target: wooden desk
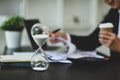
58,71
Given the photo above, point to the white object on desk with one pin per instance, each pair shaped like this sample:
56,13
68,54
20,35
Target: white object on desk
54,56
26,57
81,54
71,50
16,58
57,57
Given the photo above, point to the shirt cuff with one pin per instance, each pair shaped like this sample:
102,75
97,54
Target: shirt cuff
68,37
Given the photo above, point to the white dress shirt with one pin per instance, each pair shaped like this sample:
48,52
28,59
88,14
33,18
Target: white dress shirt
119,26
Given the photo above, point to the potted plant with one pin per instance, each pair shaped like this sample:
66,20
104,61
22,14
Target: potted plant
13,28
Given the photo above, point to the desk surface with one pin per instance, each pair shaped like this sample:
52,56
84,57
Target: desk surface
59,71
83,70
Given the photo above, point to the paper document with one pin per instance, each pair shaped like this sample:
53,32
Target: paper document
53,56
81,54
71,49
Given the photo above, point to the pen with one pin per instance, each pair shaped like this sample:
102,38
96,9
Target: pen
54,31
57,30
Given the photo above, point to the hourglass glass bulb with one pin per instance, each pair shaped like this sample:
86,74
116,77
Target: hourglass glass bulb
39,60
39,33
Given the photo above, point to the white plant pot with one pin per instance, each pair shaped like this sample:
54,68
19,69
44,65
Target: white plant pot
13,39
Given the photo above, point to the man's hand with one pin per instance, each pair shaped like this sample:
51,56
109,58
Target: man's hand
110,40
53,37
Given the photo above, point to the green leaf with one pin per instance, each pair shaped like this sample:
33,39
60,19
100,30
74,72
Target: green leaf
14,23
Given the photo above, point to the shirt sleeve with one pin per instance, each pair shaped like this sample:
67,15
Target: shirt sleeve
68,37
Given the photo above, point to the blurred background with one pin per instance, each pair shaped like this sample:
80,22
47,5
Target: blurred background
79,17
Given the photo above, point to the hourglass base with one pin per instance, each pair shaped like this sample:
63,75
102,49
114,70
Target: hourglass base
40,66
39,69
39,62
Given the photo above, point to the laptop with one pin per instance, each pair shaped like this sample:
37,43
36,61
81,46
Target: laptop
28,25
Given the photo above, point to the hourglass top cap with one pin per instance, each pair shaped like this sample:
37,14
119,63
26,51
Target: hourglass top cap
39,25
38,28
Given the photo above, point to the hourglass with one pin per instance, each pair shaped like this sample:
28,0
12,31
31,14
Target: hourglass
39,60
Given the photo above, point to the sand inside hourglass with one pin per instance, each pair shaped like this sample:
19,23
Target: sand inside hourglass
40,39
41,65
39,62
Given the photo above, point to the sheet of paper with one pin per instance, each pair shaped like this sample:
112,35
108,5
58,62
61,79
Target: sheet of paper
53,56
71,47
80,54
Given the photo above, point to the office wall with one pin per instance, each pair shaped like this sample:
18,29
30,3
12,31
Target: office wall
88,12
79,9
45,10
9,7
102,9
2,41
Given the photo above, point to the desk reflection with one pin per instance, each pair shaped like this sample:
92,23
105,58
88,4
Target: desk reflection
60,71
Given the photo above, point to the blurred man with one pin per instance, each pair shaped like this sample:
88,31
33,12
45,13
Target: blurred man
96,38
